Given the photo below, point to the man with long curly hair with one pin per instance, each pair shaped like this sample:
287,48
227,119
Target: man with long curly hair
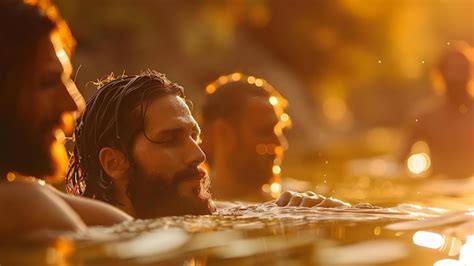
37,97
137,147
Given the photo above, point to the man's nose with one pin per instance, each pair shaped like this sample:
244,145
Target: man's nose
195,153
70,98
68,101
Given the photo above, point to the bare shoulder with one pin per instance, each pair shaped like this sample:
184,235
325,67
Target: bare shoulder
93,212
27,207
19,193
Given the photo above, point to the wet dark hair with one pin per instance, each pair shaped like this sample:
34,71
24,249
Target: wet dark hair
113,116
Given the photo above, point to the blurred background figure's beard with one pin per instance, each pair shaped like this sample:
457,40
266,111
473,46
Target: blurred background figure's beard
253,169
153,197
25,151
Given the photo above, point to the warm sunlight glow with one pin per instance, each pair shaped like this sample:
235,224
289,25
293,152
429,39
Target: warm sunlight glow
273,100
266,188
210,89
59,155
59,135
467,251
418,163
11,176
259,82
236,76
284,117
275,188
251,79
276,169
64,247
279,150
448,262
67,71
67,120
428,239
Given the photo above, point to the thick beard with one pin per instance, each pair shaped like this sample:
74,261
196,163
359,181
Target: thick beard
22,151
152,197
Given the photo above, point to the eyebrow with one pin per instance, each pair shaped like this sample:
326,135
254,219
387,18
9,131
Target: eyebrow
194,128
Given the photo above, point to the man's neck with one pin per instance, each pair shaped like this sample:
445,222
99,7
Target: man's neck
126,205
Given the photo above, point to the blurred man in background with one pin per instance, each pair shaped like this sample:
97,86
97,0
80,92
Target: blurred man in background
243,120
447,126
37,97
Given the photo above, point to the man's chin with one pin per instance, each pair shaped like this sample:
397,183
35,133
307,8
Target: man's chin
196,199
177,207
195,206
38,163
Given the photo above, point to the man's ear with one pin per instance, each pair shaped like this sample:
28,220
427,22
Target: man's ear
225,135
114,162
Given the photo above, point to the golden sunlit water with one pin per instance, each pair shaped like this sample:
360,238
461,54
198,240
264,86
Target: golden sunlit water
266,234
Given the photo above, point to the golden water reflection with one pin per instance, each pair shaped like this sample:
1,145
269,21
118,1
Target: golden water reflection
257,234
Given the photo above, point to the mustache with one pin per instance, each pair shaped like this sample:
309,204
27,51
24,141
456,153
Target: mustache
191,172
154,197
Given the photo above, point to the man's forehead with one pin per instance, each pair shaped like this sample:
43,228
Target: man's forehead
258,108
52,57
168,111
47,60
61,53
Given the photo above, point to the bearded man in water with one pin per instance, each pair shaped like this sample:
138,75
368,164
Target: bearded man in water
37,96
